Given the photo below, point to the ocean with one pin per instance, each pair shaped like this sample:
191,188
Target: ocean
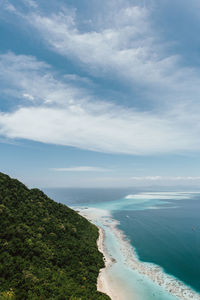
162,227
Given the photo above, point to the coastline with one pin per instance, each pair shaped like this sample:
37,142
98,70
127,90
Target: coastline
106,282
103,281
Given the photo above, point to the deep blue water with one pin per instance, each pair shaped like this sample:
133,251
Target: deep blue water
167,235
71,196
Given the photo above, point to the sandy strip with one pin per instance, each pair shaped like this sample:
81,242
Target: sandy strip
105,283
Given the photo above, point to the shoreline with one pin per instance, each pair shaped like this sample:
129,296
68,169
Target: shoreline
103,280
151,271
105,283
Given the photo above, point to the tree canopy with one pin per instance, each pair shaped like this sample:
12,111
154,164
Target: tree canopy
47,250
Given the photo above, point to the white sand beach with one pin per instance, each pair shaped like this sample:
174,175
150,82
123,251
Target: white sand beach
105,282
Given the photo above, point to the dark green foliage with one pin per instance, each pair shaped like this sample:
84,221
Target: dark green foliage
47,251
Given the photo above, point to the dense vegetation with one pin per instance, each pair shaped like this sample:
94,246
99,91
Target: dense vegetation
47,251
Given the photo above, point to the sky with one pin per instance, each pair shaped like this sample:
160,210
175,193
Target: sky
100,93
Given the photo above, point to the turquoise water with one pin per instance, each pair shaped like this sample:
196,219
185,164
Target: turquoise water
132,282
164,228
168,236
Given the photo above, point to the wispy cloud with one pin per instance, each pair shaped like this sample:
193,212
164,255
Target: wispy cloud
123,44
81,169
127,47
25,78
51,110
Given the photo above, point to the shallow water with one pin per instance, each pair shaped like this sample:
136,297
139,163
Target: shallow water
168,236
135,285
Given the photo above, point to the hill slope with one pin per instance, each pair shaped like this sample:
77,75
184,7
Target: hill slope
47,251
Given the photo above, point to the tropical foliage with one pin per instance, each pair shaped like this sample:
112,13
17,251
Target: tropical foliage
47,250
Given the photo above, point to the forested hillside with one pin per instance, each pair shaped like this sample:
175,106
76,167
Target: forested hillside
47,251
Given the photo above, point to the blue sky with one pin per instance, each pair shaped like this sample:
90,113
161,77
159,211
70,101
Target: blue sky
100,93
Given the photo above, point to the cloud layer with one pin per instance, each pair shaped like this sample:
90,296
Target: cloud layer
129,49
53,111
122,44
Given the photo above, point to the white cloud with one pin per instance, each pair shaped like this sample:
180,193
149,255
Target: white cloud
120,43
115,132
123,45
60,112
27,96
126,49
80,169
24,76
9,7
